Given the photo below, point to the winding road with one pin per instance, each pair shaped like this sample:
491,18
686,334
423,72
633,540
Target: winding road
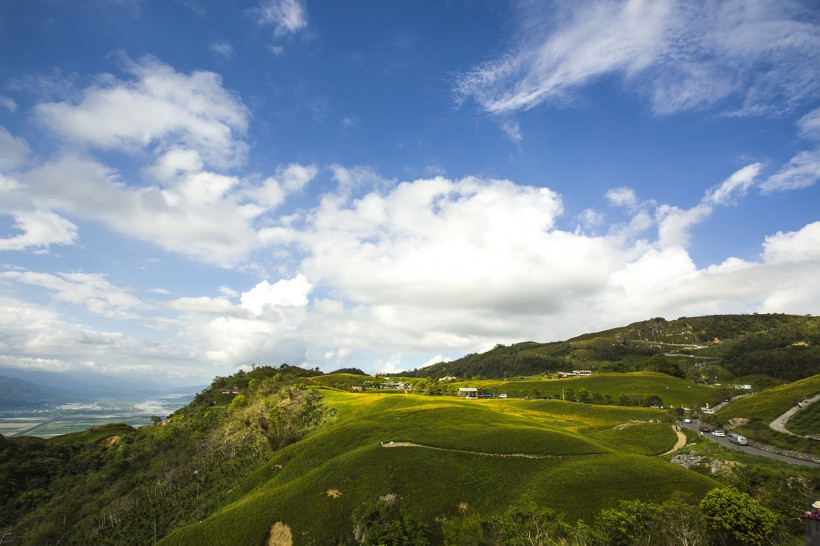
724,442
779,424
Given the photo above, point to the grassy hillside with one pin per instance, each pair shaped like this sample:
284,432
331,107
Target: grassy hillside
721,346
752,414
673,391
487,454
295,446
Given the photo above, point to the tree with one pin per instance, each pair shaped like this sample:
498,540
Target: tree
627,522
735,518
382,522
526,524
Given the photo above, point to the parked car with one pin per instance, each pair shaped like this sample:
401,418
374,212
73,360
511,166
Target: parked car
738,439
687,420
719,433
704,428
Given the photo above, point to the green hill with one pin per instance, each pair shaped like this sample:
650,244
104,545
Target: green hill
299,452
785,347
464,452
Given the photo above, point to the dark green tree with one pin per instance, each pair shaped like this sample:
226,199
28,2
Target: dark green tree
735,518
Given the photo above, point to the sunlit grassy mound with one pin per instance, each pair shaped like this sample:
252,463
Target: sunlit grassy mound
94,434
446,453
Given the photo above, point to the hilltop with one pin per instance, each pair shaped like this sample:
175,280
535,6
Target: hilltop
701,349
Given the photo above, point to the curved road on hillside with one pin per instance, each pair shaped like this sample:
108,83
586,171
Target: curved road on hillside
724,442
779,424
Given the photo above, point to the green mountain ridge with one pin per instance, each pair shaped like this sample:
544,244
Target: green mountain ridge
783,347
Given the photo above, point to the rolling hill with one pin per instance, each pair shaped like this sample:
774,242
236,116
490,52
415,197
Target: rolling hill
312,456
783,347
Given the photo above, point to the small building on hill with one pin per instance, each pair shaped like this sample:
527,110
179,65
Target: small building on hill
467,392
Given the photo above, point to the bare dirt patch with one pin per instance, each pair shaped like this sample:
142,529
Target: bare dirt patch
111,440
279,535
681,442
334,493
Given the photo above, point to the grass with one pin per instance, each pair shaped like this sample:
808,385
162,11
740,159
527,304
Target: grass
673,391
763,407
769,404
582,455
806,422
94,434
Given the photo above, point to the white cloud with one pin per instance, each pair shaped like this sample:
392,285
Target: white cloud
200,214
222,49
391,365
293,292
802,171
795,246
13,151
676,53
190,111
809,125
512,129
90,290
8,103
40,229
735,186
622,197
286,16
287,180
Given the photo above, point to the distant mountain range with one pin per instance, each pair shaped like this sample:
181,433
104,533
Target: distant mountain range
19,393
30,388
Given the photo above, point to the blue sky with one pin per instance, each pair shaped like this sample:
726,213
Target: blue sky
192,186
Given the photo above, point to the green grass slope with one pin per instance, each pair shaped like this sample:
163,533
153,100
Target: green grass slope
780,346
485,453
93,434
770,404
672,390
753,413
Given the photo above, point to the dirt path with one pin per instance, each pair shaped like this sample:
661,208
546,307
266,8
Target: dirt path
482,453
679,444
779,424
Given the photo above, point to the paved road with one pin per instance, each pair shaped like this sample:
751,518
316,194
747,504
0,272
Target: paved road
779,424
724,442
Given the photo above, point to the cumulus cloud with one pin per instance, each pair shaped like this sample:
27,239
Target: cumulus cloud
187,110
40,229
293,292
204,215
622,197
792,247
431,269
201,214
677,54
